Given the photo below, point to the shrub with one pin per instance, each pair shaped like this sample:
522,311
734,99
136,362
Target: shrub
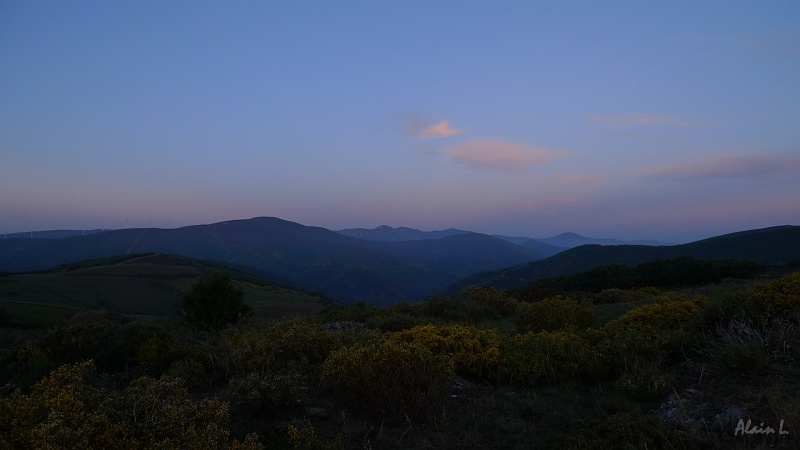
394,380
110,341
279,346
621,296
214,301
393,321
473,352
662,330
64,411
553,314
780,297
268,392
60,411
159,413
664,313
547,359
487,302
305,438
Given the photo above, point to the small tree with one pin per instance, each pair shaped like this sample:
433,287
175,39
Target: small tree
215,301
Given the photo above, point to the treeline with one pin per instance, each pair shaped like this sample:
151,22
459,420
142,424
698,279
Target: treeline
663,273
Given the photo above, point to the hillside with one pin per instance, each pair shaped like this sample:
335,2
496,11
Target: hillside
774,245
140,285
313,258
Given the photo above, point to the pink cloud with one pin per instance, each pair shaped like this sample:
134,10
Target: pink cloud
496,154
756,166
629,120
417,128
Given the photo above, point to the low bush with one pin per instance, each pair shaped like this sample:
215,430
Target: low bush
622,295
394,380
64,411
393,321
267,392
258,349
553,314
662,331
481,302
780,297
474,352
547,358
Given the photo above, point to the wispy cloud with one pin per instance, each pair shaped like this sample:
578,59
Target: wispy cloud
630,120
497,154
753,166
418,128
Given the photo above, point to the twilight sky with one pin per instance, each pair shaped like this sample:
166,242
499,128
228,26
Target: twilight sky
665,120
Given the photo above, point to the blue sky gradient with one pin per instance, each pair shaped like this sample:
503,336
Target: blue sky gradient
664,120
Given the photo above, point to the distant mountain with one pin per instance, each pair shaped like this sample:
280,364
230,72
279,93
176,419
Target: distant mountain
768,245
571,240
462,254
310,258
400,234
49,234
543,249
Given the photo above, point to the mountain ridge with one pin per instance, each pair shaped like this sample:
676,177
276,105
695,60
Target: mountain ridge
314,258
772,245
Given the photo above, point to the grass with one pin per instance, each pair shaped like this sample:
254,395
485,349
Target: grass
148,286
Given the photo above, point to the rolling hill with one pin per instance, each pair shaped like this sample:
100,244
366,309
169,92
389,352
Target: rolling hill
141,285
772,245
313,258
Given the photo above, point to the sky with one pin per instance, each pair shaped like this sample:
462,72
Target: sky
670,120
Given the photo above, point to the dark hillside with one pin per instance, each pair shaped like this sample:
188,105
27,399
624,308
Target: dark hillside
773,245
140,286
314,258
461,254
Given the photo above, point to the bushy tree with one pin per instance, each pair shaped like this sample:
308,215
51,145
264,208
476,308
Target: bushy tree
215,301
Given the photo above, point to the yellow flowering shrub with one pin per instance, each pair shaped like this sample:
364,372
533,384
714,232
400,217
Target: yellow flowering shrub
664,313
546,358
60,412
780,297
555,313
473,352
269,391
393,380
64,411
661,330
256,349
306,438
